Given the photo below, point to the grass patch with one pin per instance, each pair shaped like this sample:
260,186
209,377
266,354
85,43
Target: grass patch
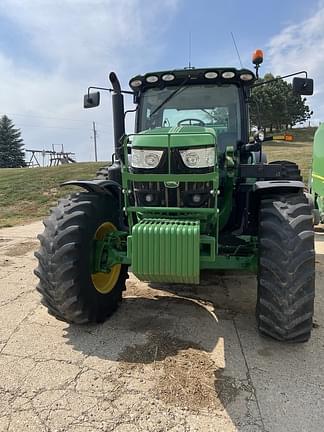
303,134
300,150
301,153
26,194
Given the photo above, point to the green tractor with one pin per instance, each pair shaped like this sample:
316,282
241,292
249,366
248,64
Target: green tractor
317,175
188,191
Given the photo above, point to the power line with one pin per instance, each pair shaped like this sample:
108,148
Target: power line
52,127
54,118
43,117
237,51
104,129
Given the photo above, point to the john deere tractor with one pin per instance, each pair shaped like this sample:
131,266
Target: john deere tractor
188,191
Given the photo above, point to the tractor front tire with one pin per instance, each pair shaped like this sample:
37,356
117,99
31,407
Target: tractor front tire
286,275
69,290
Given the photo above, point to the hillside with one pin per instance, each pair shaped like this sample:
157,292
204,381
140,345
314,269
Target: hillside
26,194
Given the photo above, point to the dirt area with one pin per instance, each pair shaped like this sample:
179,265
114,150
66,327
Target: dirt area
21,249
173,358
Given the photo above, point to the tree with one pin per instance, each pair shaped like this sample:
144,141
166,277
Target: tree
11,143
275,106
217,116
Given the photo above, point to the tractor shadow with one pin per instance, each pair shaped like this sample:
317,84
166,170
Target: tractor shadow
145,330
177,338
158,321
196,348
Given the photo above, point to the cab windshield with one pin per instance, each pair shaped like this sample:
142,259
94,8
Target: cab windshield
196,105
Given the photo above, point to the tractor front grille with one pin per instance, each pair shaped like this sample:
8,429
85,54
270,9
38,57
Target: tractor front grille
182,194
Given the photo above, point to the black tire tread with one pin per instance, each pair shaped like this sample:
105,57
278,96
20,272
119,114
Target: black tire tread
286,277
64,279
291,170
102,173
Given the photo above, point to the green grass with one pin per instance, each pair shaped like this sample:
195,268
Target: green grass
303,134
26,194
299,151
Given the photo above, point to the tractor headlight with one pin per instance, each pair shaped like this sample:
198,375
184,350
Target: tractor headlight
146,158
198,158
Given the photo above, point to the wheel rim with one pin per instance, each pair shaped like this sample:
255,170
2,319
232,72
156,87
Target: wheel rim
105,282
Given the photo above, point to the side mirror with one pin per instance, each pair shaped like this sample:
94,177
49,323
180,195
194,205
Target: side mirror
91,100
258,134
303,86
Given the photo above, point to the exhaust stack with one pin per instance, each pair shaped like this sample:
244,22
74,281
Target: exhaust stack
118,113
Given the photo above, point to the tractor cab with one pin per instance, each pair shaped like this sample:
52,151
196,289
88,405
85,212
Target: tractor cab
188,122
209,99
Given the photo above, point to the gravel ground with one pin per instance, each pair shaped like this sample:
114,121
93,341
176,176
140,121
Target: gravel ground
171,359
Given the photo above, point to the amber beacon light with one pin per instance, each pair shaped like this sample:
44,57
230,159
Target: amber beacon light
257,57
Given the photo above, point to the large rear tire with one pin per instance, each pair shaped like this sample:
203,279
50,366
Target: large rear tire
68,289
291,170
102,173
286,276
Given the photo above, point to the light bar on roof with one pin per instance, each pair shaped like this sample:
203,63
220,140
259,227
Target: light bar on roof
168,77
136,83
246,77
152,79
211,75
228,74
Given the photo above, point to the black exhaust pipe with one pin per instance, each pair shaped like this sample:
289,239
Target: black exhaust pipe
118,114
114,171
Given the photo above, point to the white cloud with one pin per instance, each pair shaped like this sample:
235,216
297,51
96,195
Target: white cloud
300,47
75,43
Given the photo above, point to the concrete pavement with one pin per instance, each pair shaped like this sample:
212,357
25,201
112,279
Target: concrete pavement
171,359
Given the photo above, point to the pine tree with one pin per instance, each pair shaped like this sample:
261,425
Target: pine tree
11,143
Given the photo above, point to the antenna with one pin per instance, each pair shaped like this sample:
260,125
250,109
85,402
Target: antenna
237,51
189,53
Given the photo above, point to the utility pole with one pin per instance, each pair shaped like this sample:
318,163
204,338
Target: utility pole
95,140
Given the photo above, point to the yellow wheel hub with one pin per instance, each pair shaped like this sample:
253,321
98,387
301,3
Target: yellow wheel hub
105,282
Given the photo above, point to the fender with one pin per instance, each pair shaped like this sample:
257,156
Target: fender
100,187
260,189
267,185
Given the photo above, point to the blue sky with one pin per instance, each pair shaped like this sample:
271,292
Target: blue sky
51,51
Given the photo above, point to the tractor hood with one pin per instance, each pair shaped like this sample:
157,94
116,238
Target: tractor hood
180,136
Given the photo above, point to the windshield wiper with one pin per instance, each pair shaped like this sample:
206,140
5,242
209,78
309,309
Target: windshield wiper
210,115
177,90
